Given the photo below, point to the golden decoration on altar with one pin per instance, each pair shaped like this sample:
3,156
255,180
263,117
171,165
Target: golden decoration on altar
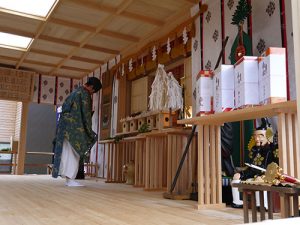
273,174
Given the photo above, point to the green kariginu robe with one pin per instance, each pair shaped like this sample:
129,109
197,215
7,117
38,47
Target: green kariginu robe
75,125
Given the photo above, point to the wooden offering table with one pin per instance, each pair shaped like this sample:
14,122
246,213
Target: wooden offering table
164,149
284,192
209,145
156,156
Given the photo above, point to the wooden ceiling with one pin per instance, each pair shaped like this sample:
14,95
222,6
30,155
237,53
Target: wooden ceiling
80,35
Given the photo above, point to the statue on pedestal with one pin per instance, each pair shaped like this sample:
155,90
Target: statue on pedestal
262,153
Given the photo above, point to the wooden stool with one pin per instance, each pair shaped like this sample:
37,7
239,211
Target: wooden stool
284,192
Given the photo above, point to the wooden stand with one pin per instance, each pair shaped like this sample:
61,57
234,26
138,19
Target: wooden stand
156,155
209,145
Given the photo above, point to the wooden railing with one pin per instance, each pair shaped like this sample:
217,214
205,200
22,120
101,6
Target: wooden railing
13,163
114,156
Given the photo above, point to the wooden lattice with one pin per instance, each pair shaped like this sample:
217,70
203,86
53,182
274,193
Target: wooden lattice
16,85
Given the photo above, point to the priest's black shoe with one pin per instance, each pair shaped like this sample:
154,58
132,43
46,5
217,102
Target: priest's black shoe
236,206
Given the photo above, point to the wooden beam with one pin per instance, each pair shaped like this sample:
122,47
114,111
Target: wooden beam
100,27
158,33
101,49
123,6
16,31
95,6
118,35
59,40
76,58
143,18
77,44
7,11
75,69
93,29
43,52
9,58
112,10
54,65
38,63
72,24
82,59
68,42
193,1
39,30
22,142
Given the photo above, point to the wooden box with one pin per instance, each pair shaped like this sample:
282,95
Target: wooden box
151,122
163,120
204,92
246,82
272,76
133,125
125,126
140,122
223,89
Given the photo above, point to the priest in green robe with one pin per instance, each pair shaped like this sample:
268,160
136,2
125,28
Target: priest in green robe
74,136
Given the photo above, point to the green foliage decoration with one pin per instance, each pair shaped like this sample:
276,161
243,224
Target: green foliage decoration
144,128
242,11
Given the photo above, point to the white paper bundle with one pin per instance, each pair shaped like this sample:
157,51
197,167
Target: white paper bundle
166,92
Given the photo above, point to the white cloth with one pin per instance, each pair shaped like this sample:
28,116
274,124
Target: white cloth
69,161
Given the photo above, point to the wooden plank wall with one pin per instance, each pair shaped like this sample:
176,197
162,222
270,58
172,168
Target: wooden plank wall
140,159
156,166
176,147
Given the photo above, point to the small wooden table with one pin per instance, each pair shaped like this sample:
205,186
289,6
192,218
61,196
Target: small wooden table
284,192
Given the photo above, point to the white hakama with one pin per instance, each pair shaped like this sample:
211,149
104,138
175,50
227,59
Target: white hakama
69,161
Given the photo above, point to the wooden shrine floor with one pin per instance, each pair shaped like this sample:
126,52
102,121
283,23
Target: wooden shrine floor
40,199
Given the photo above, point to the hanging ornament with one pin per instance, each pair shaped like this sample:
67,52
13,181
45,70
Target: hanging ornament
185,36
168,46
130,65
123,70
154,54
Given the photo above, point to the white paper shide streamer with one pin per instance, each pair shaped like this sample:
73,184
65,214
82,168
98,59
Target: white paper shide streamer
166,92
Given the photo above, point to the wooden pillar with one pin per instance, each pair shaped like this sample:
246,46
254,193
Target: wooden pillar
296,36
282,141
22,142
200,165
